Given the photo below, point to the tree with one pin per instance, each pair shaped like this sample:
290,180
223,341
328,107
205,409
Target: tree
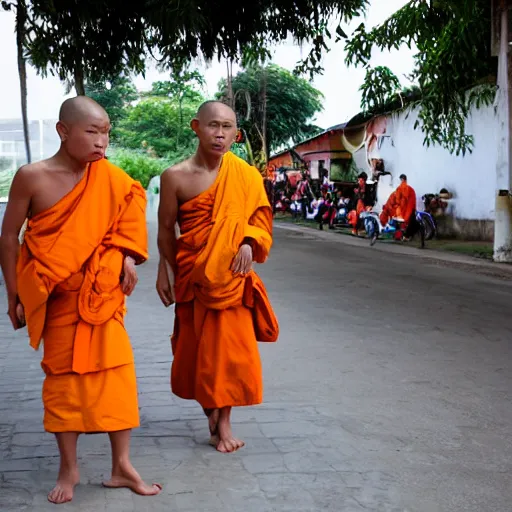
91,41
290,104
453,66
81,41
114,96
379,88
182,88
230,30
154,124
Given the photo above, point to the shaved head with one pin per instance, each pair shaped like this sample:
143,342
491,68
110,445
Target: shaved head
217,107
84,128
81,109
215,127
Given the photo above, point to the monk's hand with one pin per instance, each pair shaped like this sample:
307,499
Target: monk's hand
16,314
164,288
130,278
242,263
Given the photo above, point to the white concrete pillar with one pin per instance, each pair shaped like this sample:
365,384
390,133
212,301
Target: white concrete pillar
503,208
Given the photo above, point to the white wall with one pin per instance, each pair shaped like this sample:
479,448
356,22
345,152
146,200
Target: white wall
472,179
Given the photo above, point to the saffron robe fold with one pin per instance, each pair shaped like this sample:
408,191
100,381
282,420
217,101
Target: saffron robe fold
406,201
216,358
68,274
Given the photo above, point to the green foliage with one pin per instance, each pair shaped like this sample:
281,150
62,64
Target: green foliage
6,177
344,170
115,98
156,123
182,89
5,163
379,87
139,165
291,103
183,86
80,41
227,29
453,40
240,150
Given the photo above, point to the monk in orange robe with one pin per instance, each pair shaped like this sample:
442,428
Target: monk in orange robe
67,282
225,223
389,210
402,205
406,200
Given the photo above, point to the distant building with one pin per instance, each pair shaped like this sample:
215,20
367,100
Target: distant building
44,141
322,151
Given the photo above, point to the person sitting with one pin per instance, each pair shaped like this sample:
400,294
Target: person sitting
401,206
326,210
406,200
363,201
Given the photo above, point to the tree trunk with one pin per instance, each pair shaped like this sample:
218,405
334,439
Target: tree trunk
79,80
21,19
264,113
180,127
231,101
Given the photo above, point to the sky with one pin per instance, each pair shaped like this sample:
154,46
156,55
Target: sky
338,84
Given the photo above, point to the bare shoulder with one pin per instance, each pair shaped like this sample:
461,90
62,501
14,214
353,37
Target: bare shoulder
176,173
27,176
30,171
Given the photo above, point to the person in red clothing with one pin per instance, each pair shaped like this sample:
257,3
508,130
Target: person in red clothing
406,207
389,210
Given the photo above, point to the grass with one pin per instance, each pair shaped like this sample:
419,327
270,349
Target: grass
482,250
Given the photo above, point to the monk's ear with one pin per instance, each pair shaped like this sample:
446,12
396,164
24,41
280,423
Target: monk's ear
62,130
194,124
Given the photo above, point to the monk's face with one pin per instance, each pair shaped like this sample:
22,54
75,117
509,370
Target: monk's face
361,182
216,129
86,138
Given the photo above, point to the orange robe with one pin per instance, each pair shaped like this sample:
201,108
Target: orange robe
216,357
406,201
69,273
389,210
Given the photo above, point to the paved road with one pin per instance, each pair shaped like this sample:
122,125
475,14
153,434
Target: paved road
389,391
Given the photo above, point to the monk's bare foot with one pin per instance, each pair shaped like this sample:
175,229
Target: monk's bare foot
213,425
63,490
227,442
125,476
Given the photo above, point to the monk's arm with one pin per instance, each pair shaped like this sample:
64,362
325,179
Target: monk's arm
130,232
15,215
167,215
258,231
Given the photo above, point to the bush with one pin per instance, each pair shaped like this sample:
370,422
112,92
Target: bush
139,165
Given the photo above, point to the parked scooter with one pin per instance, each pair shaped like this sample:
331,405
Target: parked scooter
394,228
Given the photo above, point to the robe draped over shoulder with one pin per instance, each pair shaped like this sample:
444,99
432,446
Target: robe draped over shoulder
69,282
216,358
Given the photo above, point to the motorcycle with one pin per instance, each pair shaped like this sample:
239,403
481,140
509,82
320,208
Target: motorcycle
395,228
